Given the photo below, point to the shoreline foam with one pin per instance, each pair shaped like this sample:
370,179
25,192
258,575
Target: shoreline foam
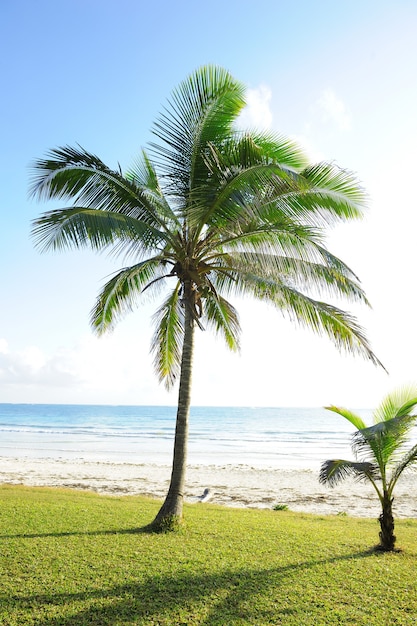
230,485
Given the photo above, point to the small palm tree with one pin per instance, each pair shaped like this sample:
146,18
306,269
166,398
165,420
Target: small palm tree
380,453
215,212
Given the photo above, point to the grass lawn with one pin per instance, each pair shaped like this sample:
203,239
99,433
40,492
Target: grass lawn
76,558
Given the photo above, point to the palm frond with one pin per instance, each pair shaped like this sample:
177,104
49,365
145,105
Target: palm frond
144,176
408,461
280,150
322,318
78,227
243,193
333,472
352,417
334,193
74,173
223,317
282,238
325,320
334,280
120,294
167,340
247,182
202,109
383,440
397,403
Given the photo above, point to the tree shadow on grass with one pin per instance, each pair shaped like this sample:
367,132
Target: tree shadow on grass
80,533
211,600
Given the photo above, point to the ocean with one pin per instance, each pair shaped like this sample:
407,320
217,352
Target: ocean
287,438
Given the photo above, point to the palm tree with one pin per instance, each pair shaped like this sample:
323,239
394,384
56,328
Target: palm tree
208,211
380,453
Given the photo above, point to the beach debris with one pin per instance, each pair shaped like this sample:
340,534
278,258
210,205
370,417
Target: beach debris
206,495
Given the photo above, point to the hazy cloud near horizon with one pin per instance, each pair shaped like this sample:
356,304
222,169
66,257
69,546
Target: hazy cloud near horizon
31,367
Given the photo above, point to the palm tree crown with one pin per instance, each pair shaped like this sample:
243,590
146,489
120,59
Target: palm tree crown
209,211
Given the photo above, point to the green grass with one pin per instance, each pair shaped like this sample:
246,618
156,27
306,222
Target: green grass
76,558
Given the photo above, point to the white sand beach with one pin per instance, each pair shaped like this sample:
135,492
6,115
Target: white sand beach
237,486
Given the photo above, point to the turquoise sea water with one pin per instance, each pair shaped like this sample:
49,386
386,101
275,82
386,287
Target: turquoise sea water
261,437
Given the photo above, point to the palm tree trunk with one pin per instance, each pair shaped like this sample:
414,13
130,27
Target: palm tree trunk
386,521
170,514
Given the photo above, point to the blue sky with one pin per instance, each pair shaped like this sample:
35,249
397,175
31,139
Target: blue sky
340,78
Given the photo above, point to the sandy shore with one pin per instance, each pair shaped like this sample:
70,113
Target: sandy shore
240,486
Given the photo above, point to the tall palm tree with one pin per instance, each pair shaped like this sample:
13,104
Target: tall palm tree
208,211
380,453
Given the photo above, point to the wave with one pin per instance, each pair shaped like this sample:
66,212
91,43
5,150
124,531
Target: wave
217,434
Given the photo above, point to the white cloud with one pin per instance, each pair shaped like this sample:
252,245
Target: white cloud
257,114
334,110
31,366
105,370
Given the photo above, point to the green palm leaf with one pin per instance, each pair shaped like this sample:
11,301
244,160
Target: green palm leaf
331,278
79,227
120,294
322,318
335,471
167,340
353,418
408,461
333,192
77,174
223,317
384,439
275,148
203,108
397,404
